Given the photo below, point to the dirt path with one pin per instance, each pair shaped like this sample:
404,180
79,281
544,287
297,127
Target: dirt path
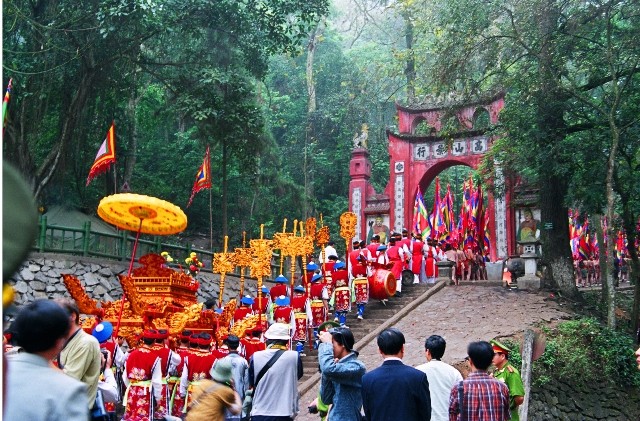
460,314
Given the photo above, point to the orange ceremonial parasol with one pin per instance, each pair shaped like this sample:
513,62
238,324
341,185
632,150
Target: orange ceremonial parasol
145,214
142,214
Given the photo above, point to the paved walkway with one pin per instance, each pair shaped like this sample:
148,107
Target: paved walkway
460,314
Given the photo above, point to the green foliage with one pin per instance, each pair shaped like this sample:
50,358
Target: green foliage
581,352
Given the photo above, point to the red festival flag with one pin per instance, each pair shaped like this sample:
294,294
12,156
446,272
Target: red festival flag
106,154
203,177
5,103
420,216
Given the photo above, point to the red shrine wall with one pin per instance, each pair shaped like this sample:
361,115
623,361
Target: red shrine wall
416,160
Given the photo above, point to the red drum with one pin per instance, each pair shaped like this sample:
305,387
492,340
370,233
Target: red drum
382,284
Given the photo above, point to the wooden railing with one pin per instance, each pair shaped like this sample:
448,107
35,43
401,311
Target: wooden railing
85,242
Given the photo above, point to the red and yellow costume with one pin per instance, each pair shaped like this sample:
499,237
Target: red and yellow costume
242,312
142,369
278,290
301,316
282,314
261,304
357,263
318,296
341,295
196,368
251,345
176,402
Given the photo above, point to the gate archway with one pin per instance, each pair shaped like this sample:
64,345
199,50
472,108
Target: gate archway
416,159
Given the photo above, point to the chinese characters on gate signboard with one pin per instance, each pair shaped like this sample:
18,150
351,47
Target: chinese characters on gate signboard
474,146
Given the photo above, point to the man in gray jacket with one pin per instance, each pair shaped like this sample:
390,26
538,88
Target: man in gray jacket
341,374
35,390
240,373
275,396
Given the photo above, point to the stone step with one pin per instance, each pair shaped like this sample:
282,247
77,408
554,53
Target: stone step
375,314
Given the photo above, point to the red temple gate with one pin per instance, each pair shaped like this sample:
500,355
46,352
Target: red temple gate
416,160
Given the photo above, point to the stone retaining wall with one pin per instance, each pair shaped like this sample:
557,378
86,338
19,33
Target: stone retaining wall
40,276
560,401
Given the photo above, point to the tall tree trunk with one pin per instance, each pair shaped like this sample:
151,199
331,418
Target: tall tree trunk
48,168
224,187
611,168
553,188
311,110
311,83
629,221
605,270
610,297
410,68
132,106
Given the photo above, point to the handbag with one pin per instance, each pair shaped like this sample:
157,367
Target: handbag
247,403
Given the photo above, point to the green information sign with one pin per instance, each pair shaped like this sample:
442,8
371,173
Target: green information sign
548,225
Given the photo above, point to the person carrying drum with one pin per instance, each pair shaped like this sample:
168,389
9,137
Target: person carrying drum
395,253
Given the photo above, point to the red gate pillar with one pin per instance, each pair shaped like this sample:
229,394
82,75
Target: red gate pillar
359,188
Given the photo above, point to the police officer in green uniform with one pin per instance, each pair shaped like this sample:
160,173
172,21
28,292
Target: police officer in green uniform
508,374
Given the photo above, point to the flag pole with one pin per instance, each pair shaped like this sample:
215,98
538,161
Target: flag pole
115,165
210,221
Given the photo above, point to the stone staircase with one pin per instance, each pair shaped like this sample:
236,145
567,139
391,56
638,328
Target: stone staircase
375,314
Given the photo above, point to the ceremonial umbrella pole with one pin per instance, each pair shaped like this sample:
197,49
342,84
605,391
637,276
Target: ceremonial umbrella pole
242,259
310,231
322,238
222,264
293,250
322,242
142,214
348,221
282,241
261,264
307,248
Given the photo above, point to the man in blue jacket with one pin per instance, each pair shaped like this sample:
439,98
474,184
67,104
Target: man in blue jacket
395,391
342,373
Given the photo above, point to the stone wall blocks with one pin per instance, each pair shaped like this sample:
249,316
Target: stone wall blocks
37,285
34,268
40,295
104,282
60,264
50,289
90,279
26,274
106,272
99,290
43,277
21,287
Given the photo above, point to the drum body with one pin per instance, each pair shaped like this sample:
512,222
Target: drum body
382,284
